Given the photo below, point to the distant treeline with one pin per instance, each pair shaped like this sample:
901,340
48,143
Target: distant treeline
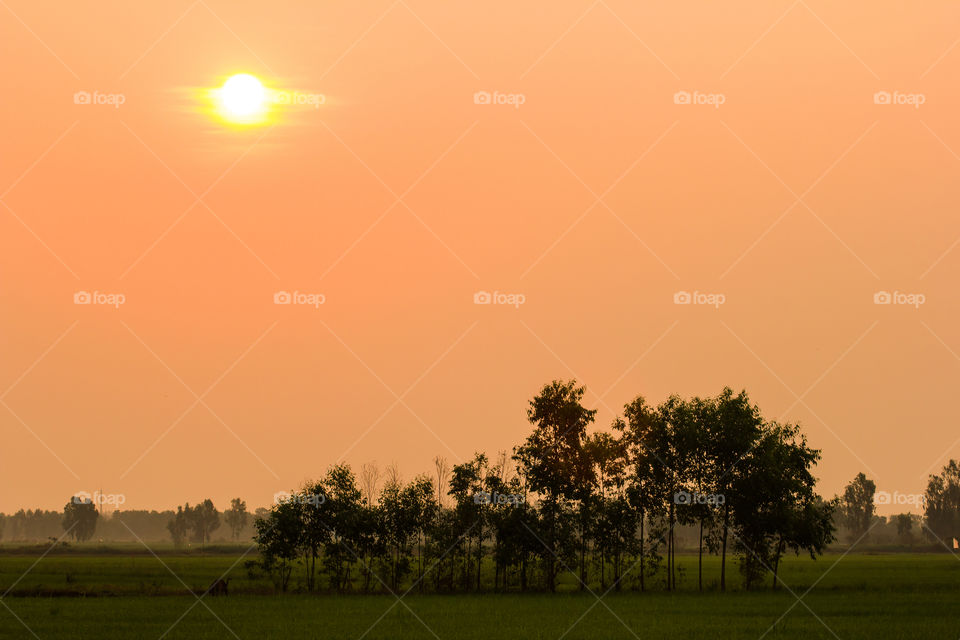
27,525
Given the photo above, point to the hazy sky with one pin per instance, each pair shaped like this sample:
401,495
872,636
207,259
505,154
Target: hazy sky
791,194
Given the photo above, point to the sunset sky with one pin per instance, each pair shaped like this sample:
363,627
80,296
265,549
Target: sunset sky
792,194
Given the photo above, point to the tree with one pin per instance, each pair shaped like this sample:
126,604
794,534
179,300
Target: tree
553,461
734,432
80,518
399,520
236,517
786,512
343,511
696,437
671,445
943,503
203,520
612,524
278,539
393,474
639,429
857,506
467,486
311,509
904,522
442,469
369,475
179,526
420,505
508,522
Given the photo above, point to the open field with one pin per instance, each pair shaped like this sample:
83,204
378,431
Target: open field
890,615
861,596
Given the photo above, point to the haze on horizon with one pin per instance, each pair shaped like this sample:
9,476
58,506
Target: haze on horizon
798,199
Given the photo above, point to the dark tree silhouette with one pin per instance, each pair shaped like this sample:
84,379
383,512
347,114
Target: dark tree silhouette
80,518
857,506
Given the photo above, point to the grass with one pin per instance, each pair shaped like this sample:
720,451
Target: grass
892,596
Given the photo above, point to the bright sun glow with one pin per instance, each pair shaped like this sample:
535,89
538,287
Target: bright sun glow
242,99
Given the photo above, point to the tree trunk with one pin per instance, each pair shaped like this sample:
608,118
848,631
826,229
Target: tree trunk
603,570
700,561
479,560
723,553
643,557
583,558
776,564
670,556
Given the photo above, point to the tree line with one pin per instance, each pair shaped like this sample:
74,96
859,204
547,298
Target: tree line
603,506
81,519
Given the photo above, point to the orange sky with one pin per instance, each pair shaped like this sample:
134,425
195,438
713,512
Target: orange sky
597,199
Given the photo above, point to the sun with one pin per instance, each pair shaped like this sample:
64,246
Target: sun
242,99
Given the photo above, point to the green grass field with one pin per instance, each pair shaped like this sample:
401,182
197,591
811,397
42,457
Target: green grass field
857,596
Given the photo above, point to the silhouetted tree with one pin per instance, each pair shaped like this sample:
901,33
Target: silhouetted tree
785,512
857,506
904,522
236,517
343,511
278,539
639,429
553,462
369,475
943,503
80,518
179,526
203,520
